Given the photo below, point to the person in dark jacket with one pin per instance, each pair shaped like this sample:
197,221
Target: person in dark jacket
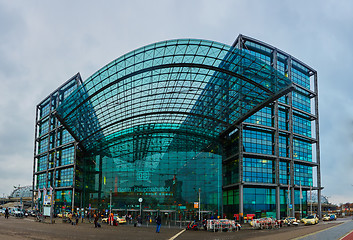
6,213
96,217
159,223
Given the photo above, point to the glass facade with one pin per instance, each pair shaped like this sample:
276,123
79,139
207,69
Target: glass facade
54,157
162,123
275,145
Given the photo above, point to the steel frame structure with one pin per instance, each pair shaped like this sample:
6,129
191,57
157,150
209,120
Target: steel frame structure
52,101
313,94
196,88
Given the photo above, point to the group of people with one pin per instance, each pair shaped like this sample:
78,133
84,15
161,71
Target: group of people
73,218
138,222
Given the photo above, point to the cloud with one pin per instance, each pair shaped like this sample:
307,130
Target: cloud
43,44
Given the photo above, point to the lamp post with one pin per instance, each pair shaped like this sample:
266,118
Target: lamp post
199,204
110,205
140,201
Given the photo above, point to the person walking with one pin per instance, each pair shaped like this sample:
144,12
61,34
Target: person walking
6,213
70,217
96,217
77,217
158,222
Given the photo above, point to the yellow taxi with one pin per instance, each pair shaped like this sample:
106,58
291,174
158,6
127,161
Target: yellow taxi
310,220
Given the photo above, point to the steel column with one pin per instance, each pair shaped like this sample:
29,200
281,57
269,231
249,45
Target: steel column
35,153
317,132
74,178
276,143
290,128
240,167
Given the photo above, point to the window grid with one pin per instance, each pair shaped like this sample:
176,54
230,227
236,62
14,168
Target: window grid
262,117
301,126
283,146
64,177
258,170
41,179
282,120
303,174
301,102
302,150
284,172
299,77
258,142
42,163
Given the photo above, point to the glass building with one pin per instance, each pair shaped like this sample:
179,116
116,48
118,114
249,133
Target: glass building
178,121
277,161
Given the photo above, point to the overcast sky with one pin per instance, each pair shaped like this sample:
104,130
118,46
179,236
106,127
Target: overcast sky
44,43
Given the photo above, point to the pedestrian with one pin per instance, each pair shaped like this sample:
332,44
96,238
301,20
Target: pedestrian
77,218
111,219
70,217
7,213
139,221
95,220
158,222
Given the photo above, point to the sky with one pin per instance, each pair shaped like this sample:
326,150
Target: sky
44,43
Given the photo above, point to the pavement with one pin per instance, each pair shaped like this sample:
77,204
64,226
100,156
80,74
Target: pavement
27,228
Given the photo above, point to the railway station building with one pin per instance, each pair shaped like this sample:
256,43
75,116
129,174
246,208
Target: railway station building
233,128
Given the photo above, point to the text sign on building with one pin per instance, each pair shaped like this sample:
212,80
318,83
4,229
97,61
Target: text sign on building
143,175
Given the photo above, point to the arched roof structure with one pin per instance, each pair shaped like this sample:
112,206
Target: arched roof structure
195,87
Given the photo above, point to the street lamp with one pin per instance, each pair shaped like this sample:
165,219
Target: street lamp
199,204
140,201
110,206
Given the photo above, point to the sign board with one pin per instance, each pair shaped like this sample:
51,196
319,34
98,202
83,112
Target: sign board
290,206
182,207
140,199
47,200
143,175
46,211
196,204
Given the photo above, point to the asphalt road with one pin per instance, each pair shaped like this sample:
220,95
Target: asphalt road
336,232
27,228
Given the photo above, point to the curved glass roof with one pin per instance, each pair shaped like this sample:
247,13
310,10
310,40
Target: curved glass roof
24,192
185,86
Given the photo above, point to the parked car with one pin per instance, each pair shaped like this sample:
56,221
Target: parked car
17,212
119,219
290,220
326,218
311,220
63,214
333,217
302,220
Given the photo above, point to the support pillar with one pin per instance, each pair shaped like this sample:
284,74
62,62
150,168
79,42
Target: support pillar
241,202
240,168
317,129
